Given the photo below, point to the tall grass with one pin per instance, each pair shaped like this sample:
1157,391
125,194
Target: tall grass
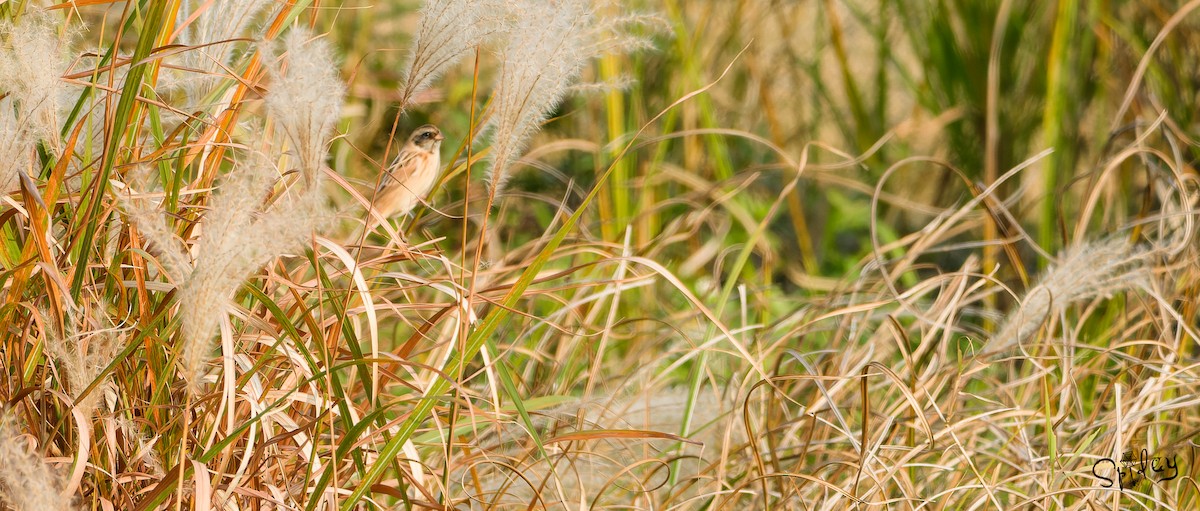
682,255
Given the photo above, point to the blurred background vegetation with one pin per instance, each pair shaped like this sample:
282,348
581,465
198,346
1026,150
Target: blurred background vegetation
847,74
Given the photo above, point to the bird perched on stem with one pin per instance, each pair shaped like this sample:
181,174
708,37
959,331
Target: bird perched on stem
409,179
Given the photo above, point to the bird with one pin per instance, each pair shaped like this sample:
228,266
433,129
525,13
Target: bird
410,178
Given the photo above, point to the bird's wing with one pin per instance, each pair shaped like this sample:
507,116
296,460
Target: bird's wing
400,170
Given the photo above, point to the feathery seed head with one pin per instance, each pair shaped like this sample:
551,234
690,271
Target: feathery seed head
152,224
31,94
448,30
28,484
1093,270
229,249
32,59
306,98
85,352
548,44
545,52
221,21
240,234
15,151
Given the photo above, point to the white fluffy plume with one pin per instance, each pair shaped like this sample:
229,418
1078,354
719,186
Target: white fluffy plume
306,98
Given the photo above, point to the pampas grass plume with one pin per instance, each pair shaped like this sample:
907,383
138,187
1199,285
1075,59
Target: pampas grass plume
31,60
225,253
249,221
84,353
28,484
221,21
548,45
239,236
448,31
13,149
306,98
1093,270
544,54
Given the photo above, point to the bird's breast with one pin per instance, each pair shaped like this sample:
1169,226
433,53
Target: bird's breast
425,173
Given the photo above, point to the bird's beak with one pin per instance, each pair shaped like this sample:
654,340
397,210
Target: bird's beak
439,137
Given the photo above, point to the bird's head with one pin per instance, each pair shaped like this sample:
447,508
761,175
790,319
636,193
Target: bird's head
427,137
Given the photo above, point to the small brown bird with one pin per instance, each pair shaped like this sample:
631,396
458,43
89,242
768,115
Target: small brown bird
411,176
